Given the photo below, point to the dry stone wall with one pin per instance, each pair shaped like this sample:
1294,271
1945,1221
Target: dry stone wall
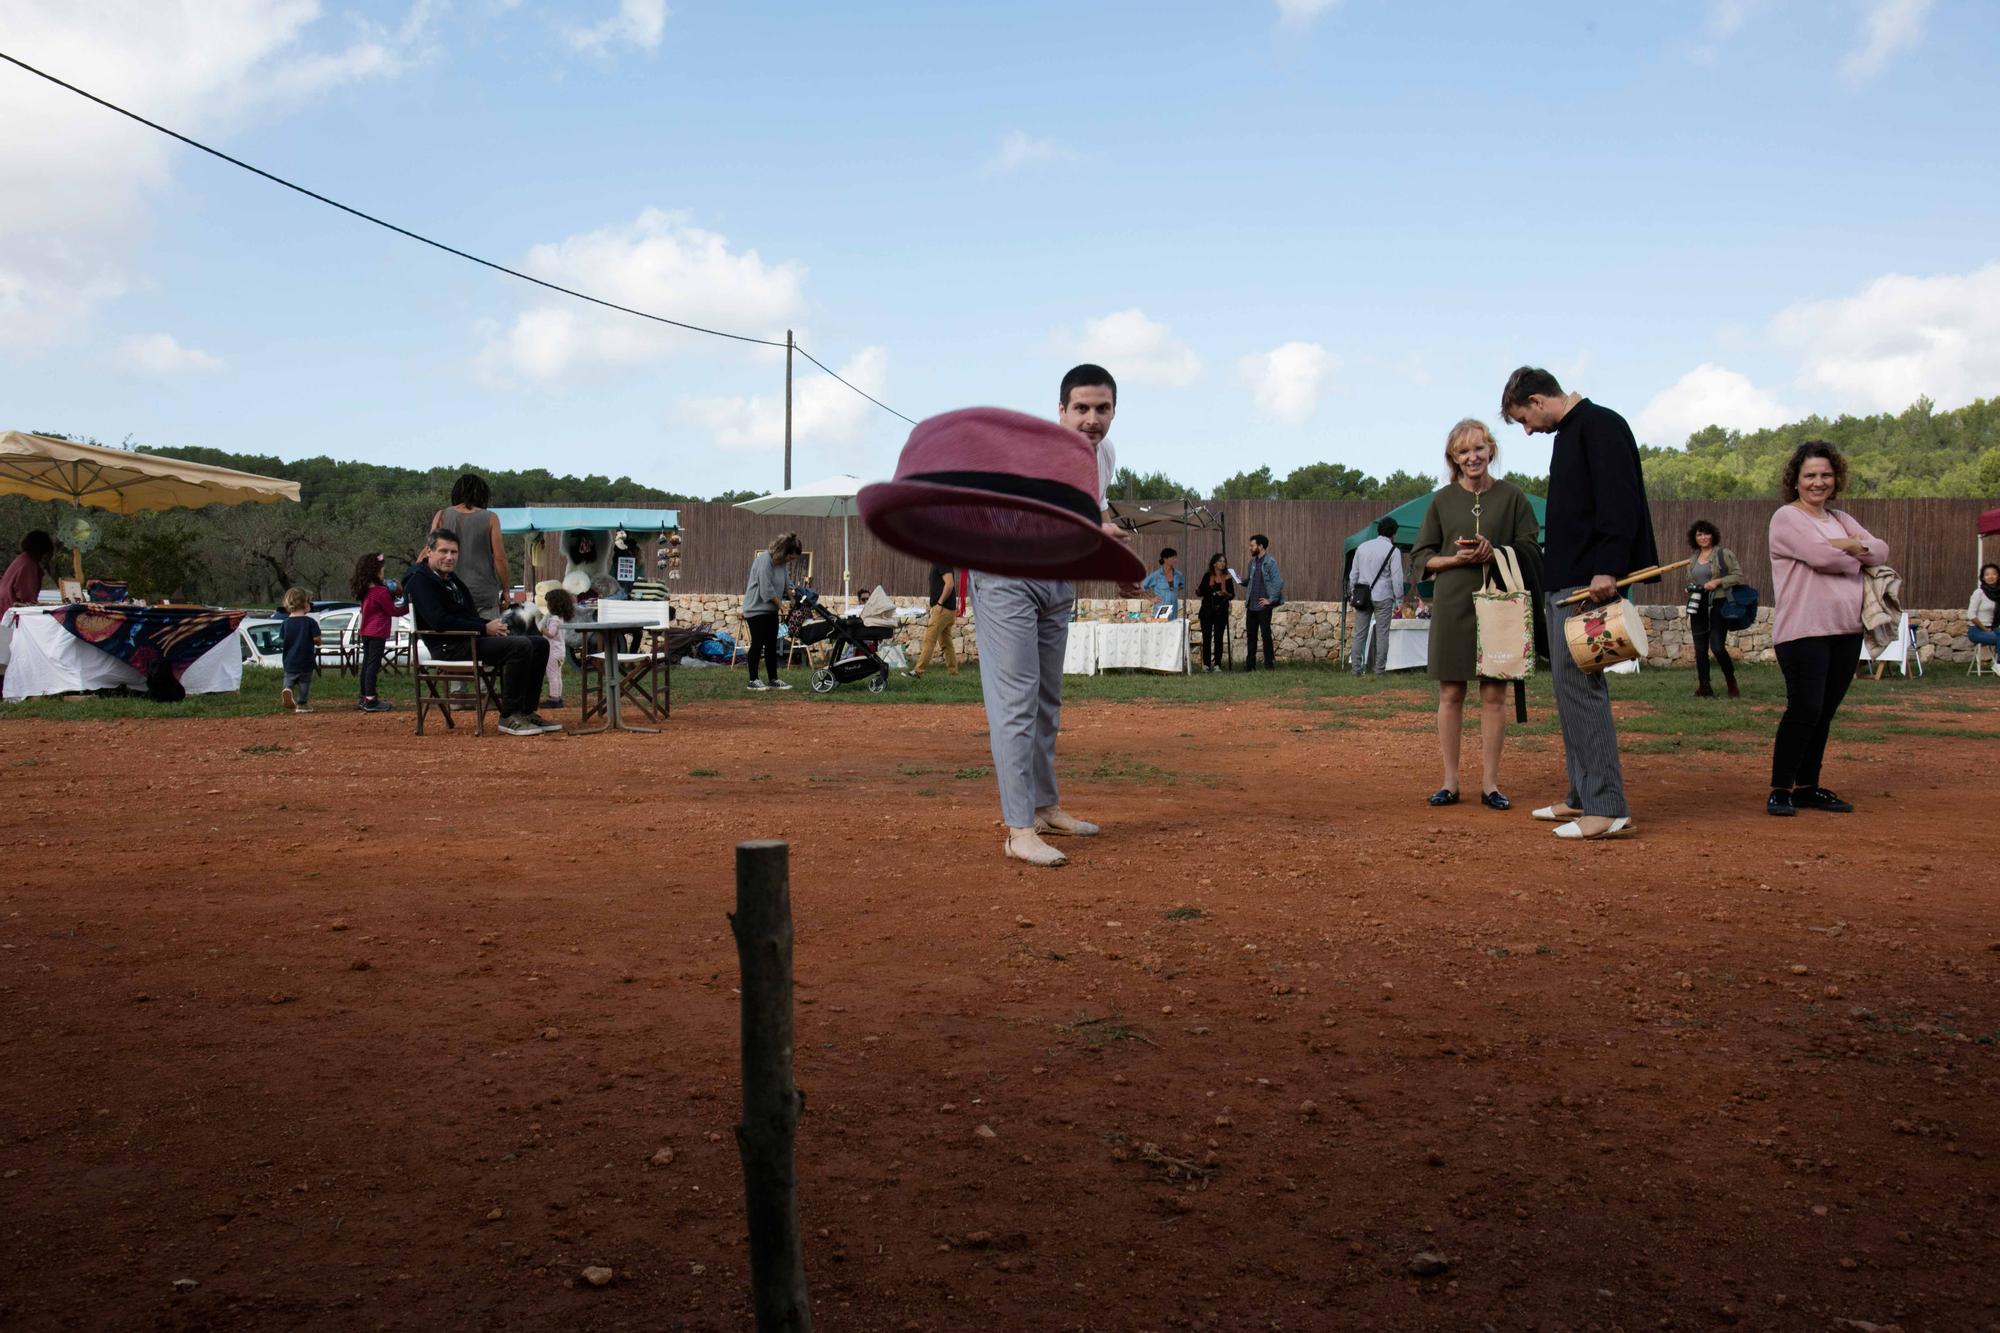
1311,631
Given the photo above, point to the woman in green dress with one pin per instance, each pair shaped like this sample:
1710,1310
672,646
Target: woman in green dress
1465,522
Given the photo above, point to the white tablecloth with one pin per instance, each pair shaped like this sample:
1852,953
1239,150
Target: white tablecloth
1409,645
1144,645
1147,645
1080,649
45,658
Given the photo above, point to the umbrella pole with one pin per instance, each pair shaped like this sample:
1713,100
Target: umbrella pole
846,576
76,563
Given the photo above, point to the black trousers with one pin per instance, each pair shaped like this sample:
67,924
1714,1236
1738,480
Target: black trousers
1709,635
763,642
1817,674
371,664
1253,622
1214,636
523,660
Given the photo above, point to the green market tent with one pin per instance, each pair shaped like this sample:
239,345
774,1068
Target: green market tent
1409,517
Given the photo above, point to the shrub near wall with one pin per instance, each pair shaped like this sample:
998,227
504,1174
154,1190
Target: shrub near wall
1311,631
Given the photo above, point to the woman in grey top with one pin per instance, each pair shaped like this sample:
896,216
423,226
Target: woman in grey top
1712,575
482,557
769,584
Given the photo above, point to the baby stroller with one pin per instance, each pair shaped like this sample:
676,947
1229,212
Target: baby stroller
851,654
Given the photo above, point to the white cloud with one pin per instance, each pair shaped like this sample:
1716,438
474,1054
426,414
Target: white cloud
77,177
824,411
659,263
1135,350
637,22
1287,380
1300,13
161,354
1725,19
1901,338
1708,395
1018,149
1891,27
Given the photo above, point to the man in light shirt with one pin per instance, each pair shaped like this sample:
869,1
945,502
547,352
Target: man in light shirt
1378,567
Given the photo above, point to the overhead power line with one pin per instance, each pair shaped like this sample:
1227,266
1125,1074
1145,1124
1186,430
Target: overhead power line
863,392
425,240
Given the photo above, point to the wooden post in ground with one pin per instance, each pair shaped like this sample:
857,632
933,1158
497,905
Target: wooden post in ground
762,925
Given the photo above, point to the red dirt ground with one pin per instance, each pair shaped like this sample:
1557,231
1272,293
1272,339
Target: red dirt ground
379,1032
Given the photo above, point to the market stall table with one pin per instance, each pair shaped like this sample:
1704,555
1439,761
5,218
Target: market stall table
45,658
1080,649
1144,645
609,631
1409,645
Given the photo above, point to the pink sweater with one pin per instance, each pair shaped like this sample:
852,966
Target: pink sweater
1817,587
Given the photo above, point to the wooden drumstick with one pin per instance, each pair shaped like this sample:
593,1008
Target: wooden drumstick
1640,577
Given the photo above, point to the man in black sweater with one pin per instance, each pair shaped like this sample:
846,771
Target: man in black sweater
439,600
1598,529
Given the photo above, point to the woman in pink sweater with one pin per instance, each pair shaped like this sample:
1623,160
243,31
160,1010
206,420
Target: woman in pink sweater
1817,555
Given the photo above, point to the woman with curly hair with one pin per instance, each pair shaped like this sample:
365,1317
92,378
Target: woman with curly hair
1817,555
482,555
1714,572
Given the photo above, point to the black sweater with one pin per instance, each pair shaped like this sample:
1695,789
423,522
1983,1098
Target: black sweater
441,601
1598,521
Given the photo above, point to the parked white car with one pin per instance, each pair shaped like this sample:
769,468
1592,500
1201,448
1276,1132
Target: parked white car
262,645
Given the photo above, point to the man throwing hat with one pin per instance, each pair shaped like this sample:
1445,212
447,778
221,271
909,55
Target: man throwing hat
1022,627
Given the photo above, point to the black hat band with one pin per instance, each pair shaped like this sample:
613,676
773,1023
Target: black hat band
1026,488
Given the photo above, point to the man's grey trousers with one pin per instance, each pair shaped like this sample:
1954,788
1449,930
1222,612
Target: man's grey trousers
1022,627
1590,737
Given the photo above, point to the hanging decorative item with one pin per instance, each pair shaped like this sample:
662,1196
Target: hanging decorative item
582,547
78,533
660,553
624,561
674,554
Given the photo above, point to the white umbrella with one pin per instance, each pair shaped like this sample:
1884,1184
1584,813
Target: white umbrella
831,498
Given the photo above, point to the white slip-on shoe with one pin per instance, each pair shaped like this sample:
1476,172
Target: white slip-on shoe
1025,845
1063,824
1619,828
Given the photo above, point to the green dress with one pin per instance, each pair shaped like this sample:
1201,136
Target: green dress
1505,519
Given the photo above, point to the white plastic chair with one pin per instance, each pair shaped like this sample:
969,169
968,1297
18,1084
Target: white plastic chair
1902,650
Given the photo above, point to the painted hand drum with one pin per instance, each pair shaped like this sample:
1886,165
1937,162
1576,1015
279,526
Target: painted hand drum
1605,634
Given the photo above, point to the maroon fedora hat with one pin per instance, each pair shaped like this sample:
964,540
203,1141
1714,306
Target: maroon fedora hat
1001,492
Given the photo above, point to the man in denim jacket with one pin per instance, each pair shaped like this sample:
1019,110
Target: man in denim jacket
1263,593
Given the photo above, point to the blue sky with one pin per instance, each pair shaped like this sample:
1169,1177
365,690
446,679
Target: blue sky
1296,231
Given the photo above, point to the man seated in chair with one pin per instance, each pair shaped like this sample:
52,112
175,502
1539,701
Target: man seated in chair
439,600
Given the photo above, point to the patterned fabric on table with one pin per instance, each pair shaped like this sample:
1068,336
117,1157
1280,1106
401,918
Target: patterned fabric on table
141,636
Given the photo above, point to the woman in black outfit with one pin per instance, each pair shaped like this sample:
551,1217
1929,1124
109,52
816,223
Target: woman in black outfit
1216,590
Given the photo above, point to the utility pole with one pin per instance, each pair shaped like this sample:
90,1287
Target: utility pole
788,409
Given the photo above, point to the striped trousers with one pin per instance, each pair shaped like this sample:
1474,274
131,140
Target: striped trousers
1590,737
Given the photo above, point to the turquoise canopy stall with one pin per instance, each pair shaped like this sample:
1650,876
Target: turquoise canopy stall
529,521
561,518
